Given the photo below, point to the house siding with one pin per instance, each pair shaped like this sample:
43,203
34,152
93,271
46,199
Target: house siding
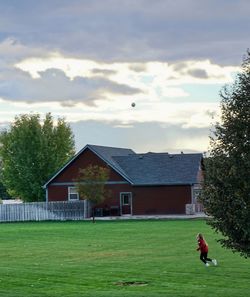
161,200
152,200
57,193
85,159
145,200
114,200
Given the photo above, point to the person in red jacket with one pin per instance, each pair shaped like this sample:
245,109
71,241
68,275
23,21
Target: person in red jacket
203,248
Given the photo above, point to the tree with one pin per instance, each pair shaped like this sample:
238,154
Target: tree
3,192
91,184
31,152
226,195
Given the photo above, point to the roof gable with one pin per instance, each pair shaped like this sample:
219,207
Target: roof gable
108,154
103,152
146,169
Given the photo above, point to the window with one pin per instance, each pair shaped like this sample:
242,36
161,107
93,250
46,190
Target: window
125,198
73,194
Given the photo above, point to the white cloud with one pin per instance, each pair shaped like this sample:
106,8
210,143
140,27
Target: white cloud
155,80
150,72
109,88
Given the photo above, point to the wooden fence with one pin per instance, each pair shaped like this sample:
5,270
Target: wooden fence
43,211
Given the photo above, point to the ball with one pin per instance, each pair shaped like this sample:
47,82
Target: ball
133,104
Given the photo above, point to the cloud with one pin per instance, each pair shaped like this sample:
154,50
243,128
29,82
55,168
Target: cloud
103,72
138,67
88,60
200,72
127,31
159,137
53,85
12,51
153,79
186,115
163,92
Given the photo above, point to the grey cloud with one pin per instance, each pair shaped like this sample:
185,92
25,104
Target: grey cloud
54,85
12,51
159,137
180,66
105,72
141,30
198,73
138,67
184,68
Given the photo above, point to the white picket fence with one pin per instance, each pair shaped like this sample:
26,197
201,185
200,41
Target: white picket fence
44,211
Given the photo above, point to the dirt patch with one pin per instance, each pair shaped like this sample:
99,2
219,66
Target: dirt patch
131,283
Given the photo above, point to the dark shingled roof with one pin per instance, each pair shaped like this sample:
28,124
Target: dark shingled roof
160,168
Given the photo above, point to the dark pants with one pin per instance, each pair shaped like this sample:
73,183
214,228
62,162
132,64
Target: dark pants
204,258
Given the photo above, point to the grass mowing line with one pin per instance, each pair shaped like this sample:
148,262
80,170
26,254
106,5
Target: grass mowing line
84,259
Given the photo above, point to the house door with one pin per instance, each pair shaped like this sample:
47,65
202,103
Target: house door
126,203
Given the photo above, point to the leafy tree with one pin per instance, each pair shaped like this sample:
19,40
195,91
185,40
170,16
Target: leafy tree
91,184
3,192
226,195
31,152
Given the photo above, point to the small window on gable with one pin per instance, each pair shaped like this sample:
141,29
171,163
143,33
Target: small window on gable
73,194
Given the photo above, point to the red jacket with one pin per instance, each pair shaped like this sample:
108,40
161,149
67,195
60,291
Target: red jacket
203,247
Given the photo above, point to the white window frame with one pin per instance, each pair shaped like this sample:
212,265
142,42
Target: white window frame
129,194
73,189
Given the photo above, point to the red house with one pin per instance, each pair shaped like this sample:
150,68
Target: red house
140,184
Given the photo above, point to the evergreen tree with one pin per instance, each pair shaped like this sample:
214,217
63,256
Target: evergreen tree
31,152
226,195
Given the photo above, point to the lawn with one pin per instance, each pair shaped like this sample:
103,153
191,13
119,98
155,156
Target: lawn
116,258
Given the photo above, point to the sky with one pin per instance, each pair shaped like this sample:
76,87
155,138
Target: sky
88,61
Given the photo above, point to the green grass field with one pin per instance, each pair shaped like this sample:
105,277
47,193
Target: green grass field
104,259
